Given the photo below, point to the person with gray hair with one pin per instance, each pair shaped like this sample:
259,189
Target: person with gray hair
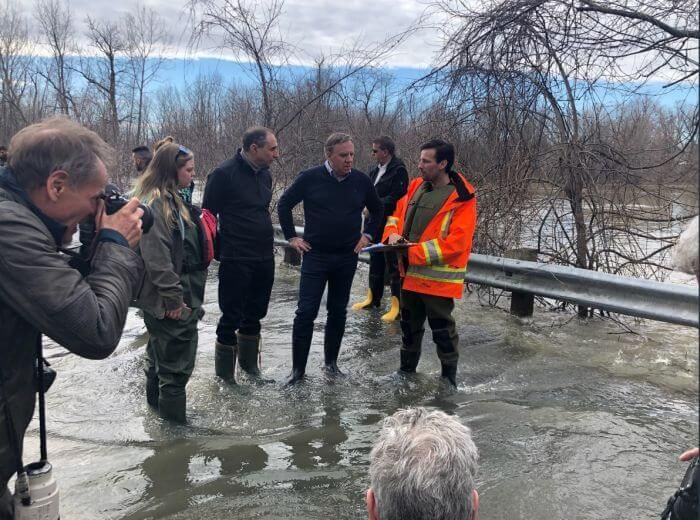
685,254
238,193
334,195
56,179
423,467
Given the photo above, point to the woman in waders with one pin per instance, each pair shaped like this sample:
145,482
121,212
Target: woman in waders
173,290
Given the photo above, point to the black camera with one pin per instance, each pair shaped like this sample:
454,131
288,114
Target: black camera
114,201
683,505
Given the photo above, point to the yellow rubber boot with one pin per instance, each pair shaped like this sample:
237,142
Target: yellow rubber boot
393,311
364,303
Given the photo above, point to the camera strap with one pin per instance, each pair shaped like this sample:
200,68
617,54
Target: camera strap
42,400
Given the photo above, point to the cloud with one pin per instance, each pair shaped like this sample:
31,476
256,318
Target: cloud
312,27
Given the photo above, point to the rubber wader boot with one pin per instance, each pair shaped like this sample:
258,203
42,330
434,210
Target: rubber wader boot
449,372
152,391
330,358
248,355
393,311
409,361
300,355
173,408
225,361
364,304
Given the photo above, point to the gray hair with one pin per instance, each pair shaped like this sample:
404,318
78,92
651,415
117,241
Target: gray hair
423,467
685,254
334,139
55,144
255,135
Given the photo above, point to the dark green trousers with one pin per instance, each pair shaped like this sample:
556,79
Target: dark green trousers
171,352
415,308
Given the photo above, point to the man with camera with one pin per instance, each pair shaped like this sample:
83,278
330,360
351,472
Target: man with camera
55,179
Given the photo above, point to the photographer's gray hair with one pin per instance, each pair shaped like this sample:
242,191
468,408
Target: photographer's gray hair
423,466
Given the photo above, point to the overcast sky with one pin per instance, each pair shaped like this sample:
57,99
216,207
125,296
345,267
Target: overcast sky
312,26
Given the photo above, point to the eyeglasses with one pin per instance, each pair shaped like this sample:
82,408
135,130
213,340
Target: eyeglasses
183,151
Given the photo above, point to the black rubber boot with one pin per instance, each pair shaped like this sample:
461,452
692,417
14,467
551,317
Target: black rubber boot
409,361
331,349
173,408
300,355
248,356
248,351
449,372
225,361
152,391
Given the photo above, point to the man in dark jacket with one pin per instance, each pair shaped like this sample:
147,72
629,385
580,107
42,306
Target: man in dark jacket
141,157
41,205
390,179
238,192
334,195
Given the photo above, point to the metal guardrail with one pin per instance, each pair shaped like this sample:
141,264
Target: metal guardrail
671,303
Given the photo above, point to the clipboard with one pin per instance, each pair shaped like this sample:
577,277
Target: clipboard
384,248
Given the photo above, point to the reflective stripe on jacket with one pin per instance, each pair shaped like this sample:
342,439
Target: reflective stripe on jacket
437,264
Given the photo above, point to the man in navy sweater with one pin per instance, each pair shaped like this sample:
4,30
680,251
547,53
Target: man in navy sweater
334,195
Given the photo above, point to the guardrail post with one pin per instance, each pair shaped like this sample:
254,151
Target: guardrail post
292,256
522,304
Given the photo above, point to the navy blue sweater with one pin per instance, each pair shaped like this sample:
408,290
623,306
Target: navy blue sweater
332,209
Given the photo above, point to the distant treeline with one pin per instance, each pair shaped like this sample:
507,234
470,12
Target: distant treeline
520,89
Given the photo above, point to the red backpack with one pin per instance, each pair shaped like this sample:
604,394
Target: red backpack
208,225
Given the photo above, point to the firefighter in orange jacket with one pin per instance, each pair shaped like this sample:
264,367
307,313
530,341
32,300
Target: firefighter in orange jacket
439,214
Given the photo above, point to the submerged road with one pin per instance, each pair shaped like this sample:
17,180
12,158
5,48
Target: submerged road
573,419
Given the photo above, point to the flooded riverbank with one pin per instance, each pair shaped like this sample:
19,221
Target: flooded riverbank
573,419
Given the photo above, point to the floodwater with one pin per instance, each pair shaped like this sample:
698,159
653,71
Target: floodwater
573,419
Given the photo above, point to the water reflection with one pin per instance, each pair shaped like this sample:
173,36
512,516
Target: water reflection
319,445
181,471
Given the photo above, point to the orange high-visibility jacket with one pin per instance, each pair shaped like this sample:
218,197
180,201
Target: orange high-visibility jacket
437,264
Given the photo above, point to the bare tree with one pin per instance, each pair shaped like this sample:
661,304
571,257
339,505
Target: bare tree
249,31
57,29
16,64
104,72
145,38
557,56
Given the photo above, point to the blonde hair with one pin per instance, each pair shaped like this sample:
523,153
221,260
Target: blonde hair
165,140
159,181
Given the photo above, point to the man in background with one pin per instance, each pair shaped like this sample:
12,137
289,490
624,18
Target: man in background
141,156
390,179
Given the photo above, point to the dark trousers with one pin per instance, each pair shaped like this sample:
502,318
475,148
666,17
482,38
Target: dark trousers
415,307
381,264
317,270
244,295
5,503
